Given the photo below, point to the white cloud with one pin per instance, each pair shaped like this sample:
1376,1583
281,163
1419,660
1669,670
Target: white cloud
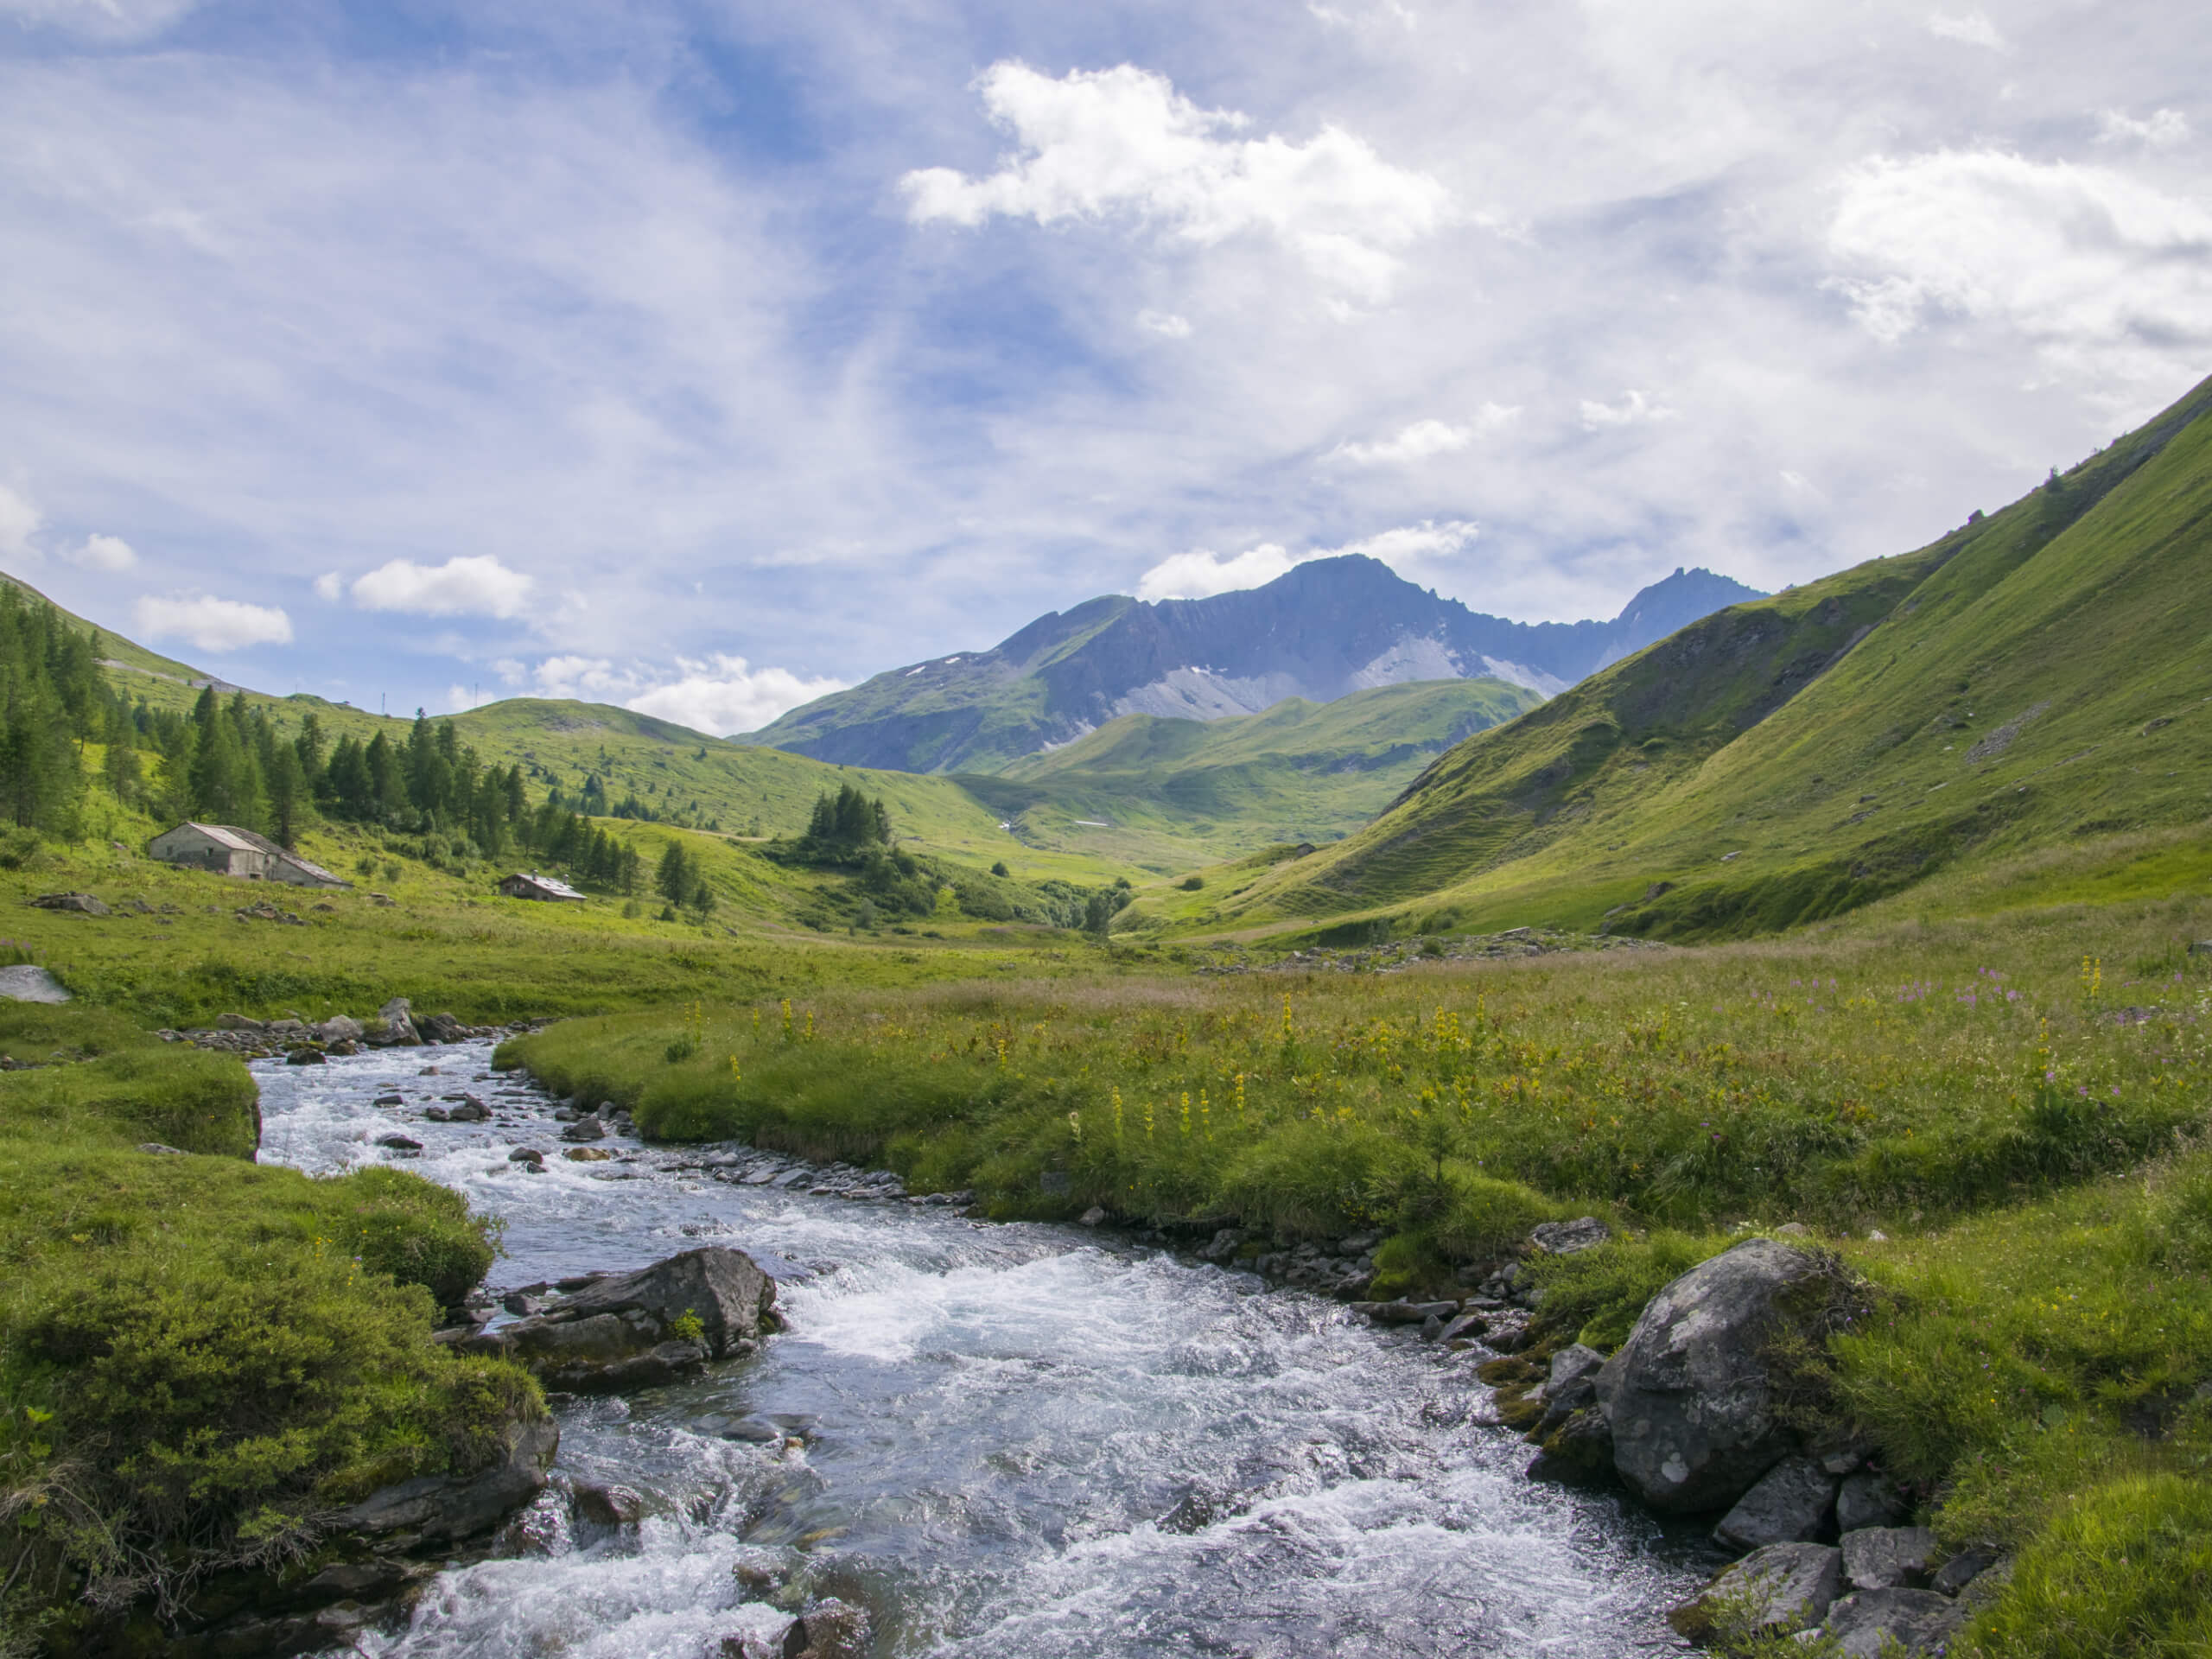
19,526
1165,322
2161,130
2100,271
107,20
720,694
1635,409
1425,439
723,696
1969,28
1123,140
222,625
111,554
330,586
476,586
1200,573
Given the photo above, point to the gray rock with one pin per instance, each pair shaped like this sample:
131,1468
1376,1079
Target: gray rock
1789,1505
442,1508
610,1506
1405,1313
1569,1366
399,1024
83,903
27,981
1093,1217
1963,1569
1579,1452
834,1630
238,1022
1887,1558
1985,1586
389,1100
1568,1237
1468,1327
160,1151
399,1142
525,1155
338,1028
621,1331
1868,1499
441,1028
1782,1587
1692,1410
585,1129
1919,1621
1222,1247
307,1057
469,1109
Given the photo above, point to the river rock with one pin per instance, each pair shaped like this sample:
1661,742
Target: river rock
436,1509
1404,1312
1863,1624
1572,1386
307,1057
1781,1587
1687,1395
441,1028
1887,1558
610,1506
1789,1504
238,1022
399,1142
1568,1237
585,1129
1867,1499
398,1021
834,1630
1579,1452
338,1028
467,1108
620,1332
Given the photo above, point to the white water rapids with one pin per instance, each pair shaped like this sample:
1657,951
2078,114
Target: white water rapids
997,1420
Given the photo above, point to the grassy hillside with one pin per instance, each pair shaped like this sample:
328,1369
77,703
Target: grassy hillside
2035,677
1167,794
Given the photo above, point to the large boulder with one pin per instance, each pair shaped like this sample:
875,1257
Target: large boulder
439,1508
1888,1558
397,1020
635,1330
1688,1394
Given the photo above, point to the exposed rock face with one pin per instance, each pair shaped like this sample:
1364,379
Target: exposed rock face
1867,1500
1789,1504
83,903
633,1330
1687,1394
399,1024
439,1508
1783,1588
1919,1621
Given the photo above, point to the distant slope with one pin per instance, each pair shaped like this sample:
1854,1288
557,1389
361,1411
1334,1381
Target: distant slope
1169,793
2034,677
1326,629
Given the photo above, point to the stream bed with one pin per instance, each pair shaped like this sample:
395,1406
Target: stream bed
1015,1441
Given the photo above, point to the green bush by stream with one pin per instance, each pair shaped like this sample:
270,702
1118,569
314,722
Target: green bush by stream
197,1354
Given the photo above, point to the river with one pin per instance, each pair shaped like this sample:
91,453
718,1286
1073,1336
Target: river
994,1422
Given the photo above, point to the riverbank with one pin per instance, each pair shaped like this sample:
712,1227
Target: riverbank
1989,1122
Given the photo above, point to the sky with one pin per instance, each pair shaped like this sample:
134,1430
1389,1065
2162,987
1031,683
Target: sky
705,356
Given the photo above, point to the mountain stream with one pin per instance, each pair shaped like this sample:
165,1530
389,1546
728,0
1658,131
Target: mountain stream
1016,1441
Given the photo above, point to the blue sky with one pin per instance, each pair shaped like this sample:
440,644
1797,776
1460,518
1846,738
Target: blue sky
699,357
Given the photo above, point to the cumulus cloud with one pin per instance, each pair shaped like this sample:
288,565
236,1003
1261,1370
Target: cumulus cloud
1635,409
724,696
1200,574
1098,142
111,554
19,524
2161,130
2097,269
1425,439
476,586
1165,322
718,694
223,624
1968,28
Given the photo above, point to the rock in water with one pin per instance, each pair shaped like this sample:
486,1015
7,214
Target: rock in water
1789,1505
585,1129
635,1330
1687,1394
399,1024
441,1508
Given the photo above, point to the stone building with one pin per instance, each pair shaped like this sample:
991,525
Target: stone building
534,886
226,849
